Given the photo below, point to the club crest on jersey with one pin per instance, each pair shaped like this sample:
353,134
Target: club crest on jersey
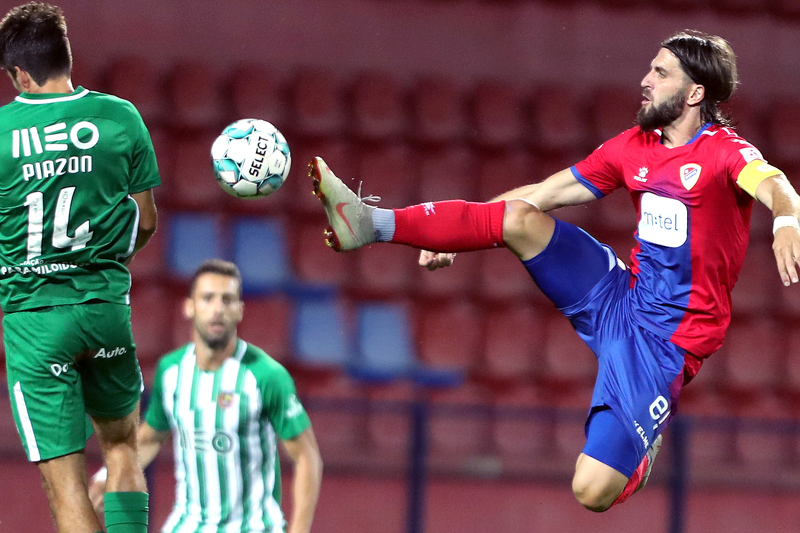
225,400
689,175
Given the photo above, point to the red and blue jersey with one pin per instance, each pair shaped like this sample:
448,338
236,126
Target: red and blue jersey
693,227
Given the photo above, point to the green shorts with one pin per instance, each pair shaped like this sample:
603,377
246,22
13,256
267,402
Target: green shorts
63,363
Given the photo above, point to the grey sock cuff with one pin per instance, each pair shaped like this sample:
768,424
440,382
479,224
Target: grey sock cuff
383,220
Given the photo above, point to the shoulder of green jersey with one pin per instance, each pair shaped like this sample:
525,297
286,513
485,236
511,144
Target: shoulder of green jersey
68,98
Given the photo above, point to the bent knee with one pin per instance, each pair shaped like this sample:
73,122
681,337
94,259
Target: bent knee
526,229
594,496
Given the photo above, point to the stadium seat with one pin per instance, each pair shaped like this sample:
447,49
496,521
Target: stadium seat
317,104
753,353
612,111
195,97
449,335
790,368
567,360
388,171
783,130
453,282
384,342
447,174
765,435
152,322
257,91
385,271
149,263
297,193
192,238
261,252
389,428
748,119
267,324
438,111
378,107
191,182
758,283
135,78
513,337
521,427
460,426
313,263
615,213
497,111
503,278
500,173
558,119
321,337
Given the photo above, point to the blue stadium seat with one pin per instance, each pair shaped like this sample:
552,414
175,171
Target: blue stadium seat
260,250
385,347
320,335
193,237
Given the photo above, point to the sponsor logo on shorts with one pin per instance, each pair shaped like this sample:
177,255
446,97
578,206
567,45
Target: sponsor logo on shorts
108,354
57,369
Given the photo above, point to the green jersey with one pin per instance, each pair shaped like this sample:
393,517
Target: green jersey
68,165
225,424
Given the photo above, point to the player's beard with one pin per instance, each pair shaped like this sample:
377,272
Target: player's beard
215,341
664,114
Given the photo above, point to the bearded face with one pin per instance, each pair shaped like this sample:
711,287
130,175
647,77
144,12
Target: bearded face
654,115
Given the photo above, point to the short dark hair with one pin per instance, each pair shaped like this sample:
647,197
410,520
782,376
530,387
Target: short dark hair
216,266
33,37
709,61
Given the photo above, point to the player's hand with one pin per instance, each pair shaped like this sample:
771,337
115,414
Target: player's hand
786,246
434,260
97,488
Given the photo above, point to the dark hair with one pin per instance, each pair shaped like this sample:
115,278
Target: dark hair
33,37
709,61
216,266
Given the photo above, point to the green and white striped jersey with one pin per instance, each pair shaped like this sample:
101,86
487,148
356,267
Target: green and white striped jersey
69,163
225,424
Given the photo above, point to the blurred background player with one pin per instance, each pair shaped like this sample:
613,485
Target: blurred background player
77,172
692,179
226,402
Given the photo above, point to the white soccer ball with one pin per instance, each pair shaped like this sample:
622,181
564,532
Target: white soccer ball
251,158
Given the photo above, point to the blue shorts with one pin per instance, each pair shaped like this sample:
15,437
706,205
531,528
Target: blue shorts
639,373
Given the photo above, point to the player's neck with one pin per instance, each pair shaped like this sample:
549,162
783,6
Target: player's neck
210,359
682,130
61,85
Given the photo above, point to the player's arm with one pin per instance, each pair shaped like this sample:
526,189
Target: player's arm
149,442
148,219
777,194
307,479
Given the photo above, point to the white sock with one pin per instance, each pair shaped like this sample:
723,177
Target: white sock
383,221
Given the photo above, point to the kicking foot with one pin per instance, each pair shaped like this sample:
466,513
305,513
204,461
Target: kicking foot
349,217
652,451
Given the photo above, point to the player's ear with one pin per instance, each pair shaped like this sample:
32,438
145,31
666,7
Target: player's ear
241,311
188,308
696,94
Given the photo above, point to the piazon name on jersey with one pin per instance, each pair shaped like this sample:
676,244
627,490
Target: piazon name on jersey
26,142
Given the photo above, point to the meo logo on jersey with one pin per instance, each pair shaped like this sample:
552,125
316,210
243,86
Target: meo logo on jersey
689,175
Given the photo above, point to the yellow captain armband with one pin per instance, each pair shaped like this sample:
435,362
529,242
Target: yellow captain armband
754,173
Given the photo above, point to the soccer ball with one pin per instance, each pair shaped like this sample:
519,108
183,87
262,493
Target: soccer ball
250,158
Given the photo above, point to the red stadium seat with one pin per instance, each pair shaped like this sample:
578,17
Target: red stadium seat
503,172
558,117
297,193
612,111
389,421
135,78
456,281
791,362
764,441
747,118
388,171
447,174
567,360
514,335
267,324
149,264
503,278
385,271
784,130
520,429
313,262
317,103
439,111
191,183
257,91
449,335
752,357
379,112
460,425
195,97
152,321
758,283
497,114
615,213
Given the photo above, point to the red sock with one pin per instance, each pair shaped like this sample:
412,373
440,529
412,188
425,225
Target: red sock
633,482
450,226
